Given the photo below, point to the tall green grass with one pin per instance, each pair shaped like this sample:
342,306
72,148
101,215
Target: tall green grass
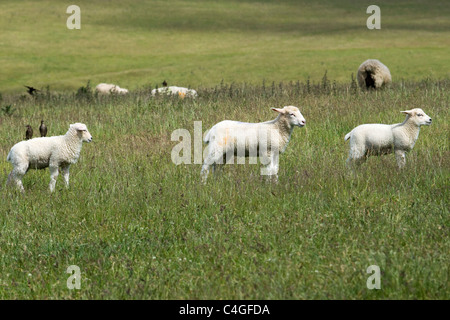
140,227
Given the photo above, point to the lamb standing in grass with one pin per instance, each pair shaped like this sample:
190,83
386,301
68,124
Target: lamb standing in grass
373,74
379,139
105,88
265,140
53,152
173,90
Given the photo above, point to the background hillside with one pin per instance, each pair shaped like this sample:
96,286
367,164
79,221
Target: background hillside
200,43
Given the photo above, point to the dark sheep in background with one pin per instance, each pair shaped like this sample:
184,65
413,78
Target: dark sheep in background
373,74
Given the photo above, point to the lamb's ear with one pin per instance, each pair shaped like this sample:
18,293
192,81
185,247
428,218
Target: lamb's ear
78,126
407,112
73,125
278,110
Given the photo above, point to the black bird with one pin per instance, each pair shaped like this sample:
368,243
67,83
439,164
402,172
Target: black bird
43,129
164,83
31,90
29,133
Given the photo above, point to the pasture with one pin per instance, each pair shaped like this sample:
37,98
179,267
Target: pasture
200,43
140,227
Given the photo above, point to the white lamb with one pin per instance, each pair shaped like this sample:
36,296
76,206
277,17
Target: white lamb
173,90
105,88
379,139
373,74
265,140
53,152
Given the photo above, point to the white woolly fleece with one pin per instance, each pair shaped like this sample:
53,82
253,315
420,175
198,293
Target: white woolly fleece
265,140
379,73
378,139
43,152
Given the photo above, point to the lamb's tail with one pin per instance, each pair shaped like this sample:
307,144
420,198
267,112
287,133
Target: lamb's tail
348,135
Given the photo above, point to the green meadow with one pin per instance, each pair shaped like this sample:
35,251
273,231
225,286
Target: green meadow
200,43
140,227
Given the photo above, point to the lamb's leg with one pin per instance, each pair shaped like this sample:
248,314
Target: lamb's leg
356,156
349,163
353,163
16,175
205,168
274,175
213,158
15,178
206,164
65,173
401,158
53,176
205,171
271,169
217,167
275,163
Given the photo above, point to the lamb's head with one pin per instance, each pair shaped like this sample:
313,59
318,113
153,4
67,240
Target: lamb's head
418,117
81,131
292,115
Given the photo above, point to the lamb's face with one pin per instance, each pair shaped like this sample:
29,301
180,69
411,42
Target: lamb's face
293,115
419,117
82,132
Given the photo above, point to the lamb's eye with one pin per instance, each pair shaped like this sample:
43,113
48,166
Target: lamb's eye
291,114
420,115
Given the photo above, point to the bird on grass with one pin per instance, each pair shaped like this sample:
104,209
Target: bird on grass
43,129
29,133
31,90
164,83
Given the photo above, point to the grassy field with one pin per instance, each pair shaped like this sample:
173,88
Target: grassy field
140,227
200,43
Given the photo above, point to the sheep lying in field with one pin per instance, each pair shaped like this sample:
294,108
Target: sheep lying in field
105,88
378,139
373,74
53,152
173,90
265,140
